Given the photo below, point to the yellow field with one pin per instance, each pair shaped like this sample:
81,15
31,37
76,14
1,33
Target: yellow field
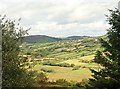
66,73
88,58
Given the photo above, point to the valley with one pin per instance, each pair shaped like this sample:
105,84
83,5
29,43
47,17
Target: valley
66,59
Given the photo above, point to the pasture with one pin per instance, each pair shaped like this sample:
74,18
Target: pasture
69,59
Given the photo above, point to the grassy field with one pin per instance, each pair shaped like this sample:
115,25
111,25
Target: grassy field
65,73
70,59
68,73
79,61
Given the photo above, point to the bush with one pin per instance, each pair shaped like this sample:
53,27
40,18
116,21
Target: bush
76,67
72,65
82,83
64,65
47,70
42,79
60,64
28,53
84,61
63,82
49,63
84,67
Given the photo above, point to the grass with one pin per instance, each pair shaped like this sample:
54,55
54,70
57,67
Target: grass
65,73
88,58
78,62
82,54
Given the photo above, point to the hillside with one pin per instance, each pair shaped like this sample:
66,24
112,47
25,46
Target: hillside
46,39
73,58
76,37
40,39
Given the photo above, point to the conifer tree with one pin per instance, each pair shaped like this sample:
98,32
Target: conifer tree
108,77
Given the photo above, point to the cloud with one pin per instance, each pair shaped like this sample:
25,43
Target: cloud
60,17
61,30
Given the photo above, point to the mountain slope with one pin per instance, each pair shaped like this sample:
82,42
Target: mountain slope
75,37
40,38
44,38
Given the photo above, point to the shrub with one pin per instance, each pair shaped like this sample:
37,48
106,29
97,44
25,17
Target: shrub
83,66
64,65
76,67
47,70
72,65
42,79
49,63
82,83
62,82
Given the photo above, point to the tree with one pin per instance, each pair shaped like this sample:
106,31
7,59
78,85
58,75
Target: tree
42,80
13,75
108,77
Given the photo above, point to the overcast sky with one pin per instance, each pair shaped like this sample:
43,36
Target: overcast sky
60,18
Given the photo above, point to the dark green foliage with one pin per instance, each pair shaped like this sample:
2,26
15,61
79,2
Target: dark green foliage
76,37
46,39
108,77
42,79
43,52
82,83
64,65
47,70
76,67
12,74
56,64
63,82
72,65
40,38
49,63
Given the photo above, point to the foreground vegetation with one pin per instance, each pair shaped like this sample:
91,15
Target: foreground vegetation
109,76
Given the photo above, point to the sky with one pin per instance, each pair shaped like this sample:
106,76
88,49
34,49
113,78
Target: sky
60,18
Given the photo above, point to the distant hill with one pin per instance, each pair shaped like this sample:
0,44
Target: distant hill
44,38
76,37
40,38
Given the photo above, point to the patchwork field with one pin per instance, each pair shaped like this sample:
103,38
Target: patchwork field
65,73
69,59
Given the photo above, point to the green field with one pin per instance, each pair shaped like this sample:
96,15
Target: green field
69,59
65,73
